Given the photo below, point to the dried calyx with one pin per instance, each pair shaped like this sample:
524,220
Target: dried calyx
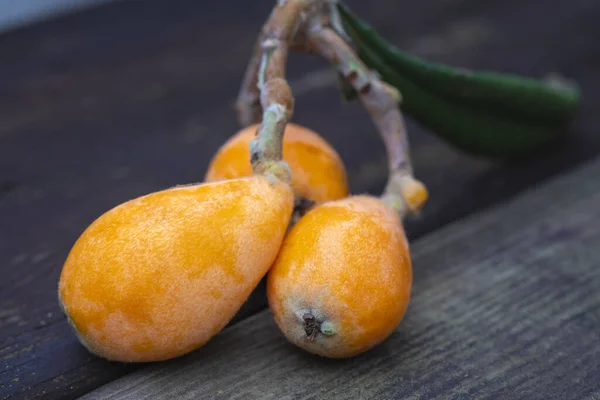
313,327
314,26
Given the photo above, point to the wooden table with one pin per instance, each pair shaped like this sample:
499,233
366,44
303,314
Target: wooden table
102,106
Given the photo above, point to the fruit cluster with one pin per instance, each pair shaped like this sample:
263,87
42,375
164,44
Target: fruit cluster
160,275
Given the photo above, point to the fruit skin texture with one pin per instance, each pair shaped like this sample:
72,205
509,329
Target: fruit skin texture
158,276
347,265
318,171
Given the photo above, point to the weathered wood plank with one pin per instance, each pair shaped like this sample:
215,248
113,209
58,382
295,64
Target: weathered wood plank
129,98
506,304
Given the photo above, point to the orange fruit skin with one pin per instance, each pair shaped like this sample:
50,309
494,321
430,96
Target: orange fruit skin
318,172
158,276
347,263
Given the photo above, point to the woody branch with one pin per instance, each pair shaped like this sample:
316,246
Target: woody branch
402,191
302,25
275,97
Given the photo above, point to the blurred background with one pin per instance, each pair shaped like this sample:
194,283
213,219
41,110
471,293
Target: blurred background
102,101
14,14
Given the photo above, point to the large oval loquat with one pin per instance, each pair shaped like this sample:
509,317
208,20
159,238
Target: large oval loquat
342,280
158,276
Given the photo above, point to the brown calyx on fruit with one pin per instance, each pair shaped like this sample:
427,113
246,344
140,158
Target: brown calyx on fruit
311,326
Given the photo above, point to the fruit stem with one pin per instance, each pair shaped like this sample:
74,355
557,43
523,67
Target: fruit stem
283,28
268,145
265,84
315,26
248,108
381,102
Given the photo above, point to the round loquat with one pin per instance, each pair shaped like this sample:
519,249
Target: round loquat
318,172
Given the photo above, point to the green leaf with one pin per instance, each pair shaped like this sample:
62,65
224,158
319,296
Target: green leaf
485,113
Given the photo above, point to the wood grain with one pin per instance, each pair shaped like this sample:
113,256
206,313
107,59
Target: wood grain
506,304
106,105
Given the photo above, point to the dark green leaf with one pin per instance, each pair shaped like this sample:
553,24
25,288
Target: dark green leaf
485,113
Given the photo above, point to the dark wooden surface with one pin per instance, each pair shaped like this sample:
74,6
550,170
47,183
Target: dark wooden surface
506,305
103,106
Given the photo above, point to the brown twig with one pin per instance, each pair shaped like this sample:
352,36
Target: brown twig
276,99
248,108
381,100
282,26
303,25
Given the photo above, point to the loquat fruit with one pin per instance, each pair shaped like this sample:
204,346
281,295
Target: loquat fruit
158,276
342,280
318,172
